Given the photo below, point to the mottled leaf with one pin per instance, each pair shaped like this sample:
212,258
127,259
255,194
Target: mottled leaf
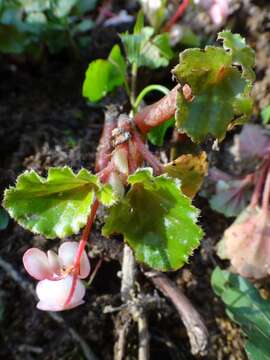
56,206
219,93
156,220
191,170
245,306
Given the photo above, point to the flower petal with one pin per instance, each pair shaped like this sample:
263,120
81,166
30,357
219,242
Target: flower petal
53,294
67,252
36,264
54,262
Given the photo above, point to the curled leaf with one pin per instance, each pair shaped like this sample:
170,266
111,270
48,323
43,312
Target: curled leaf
246,243
190,169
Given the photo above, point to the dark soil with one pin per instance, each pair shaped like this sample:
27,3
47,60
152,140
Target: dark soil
46,122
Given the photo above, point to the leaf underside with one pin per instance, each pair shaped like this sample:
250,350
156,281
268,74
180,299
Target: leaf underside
156,220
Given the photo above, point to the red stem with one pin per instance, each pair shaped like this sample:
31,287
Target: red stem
258,186
179,12
82,244
159,112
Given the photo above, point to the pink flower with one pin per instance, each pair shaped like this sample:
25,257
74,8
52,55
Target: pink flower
56,274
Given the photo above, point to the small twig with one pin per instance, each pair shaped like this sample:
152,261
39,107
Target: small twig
128,275
19,279
197,332
144,336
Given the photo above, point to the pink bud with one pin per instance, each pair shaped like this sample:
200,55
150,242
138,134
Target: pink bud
53,294
67,252
36,264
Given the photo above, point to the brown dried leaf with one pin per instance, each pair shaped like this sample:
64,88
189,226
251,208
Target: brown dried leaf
190,169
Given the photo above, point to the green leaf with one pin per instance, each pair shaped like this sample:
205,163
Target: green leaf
145,49
265,114
62,8
157,221
139,23
220,93
102,76
191,170
157,134
245,306
56,206
4,219
242,54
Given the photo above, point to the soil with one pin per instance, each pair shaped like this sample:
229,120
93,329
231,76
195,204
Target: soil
46,122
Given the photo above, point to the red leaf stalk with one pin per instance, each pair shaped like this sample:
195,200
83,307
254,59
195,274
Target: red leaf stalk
157,113
179,12
82,244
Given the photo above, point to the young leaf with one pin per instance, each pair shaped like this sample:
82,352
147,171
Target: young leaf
245,306
220,94
56,206
157,134
242,54
145,49
156,220
102,76
190,169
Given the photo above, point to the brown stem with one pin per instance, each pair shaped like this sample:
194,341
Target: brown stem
159,112
197,332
